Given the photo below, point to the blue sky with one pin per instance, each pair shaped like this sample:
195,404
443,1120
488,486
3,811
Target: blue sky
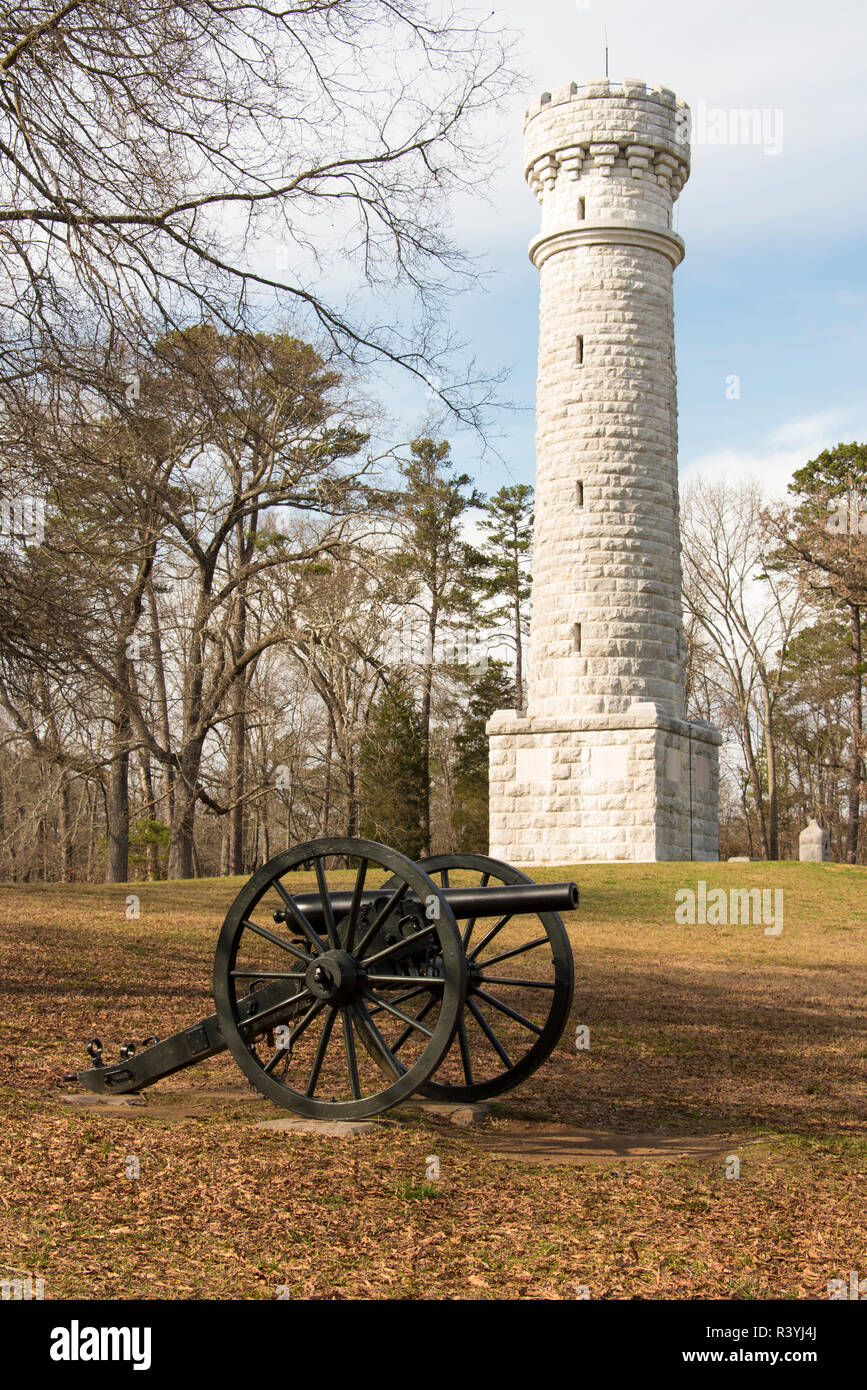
773,287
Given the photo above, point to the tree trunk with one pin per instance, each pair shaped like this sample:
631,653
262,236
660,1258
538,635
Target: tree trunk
41,847
237,776
152,861
351,799
519,658
771,756
224,851
856,766
162,703
746,810
92,801
183,823
117,797
756,782
184,820
424,749
238,704
326,800
64,829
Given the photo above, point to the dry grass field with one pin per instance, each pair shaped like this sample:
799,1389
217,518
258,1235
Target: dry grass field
754,1043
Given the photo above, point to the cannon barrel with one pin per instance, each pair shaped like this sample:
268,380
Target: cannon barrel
500,900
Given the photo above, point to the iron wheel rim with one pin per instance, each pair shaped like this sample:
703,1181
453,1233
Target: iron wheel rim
448,989
563,970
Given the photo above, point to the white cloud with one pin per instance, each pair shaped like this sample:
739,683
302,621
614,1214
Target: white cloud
776,456
808,431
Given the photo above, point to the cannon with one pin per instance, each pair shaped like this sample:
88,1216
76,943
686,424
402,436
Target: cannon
399,980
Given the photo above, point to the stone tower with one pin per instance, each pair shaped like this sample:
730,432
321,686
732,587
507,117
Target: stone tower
603,763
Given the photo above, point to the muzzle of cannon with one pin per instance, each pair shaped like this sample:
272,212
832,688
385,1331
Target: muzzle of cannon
451,977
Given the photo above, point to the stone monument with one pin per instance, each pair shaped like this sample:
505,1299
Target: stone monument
603,763
814,843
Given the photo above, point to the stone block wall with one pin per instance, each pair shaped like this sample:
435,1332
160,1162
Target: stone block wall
640,786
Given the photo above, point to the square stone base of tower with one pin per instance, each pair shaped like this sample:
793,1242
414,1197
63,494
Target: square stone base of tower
639,785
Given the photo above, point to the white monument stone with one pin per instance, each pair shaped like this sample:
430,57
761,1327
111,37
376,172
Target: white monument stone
603,763
814,843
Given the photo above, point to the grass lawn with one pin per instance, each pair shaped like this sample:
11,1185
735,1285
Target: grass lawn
694,1030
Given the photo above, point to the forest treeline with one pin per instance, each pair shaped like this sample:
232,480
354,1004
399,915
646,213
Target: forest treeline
775,593
236,630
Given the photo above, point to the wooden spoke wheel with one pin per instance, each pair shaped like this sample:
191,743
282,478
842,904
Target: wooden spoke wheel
520,978
297,982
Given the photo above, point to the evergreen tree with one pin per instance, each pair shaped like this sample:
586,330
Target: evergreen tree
504,564
437,561
490,692
815,722
825,541
392,770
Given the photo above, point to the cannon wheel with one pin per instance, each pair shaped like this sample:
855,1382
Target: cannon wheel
301,1052
482,1062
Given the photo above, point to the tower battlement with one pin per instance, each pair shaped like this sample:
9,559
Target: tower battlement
631,89
577,135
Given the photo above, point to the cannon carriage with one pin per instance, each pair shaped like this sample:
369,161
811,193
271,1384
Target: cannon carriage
451,977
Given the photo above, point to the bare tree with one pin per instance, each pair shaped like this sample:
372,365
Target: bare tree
227,431
277,439
155,157
339,618
745,617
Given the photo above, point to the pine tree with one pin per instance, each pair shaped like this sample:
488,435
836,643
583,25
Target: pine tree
491,691
504,565
825,541
392,770
815,721
434,557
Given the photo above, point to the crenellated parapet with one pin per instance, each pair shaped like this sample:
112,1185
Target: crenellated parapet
606,129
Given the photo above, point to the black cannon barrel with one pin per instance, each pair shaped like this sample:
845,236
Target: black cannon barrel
498,900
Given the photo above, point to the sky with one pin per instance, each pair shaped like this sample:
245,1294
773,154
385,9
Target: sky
773,288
